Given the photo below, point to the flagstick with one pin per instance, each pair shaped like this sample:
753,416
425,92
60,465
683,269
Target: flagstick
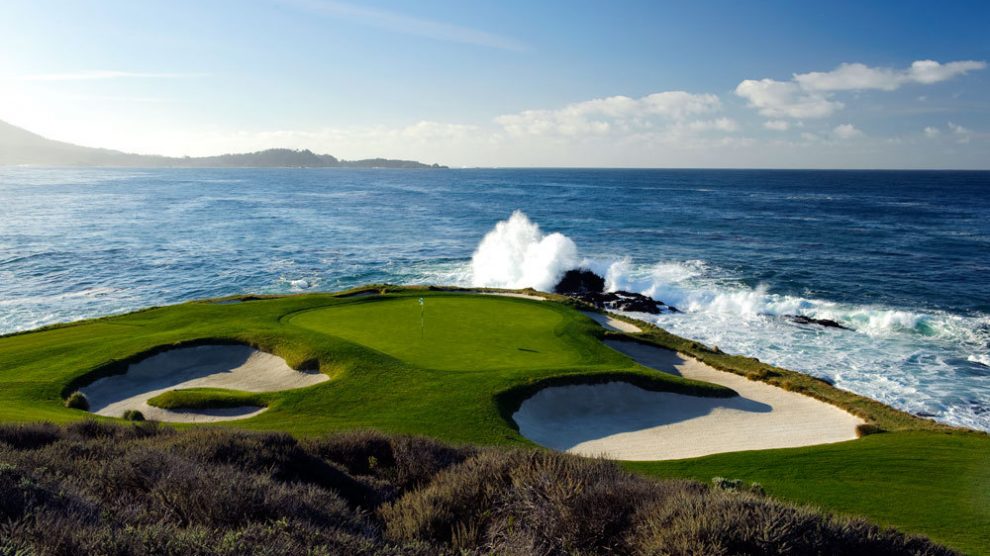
422,326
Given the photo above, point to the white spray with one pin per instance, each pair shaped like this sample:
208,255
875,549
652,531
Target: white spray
516,254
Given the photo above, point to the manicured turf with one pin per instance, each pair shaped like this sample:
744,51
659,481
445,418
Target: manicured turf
457,333
376,382
202,398
476,355
929,483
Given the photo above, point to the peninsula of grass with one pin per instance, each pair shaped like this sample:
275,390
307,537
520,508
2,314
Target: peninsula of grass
208,398
455,369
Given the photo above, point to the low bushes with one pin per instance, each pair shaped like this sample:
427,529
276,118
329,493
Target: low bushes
98,488
133,415
77,400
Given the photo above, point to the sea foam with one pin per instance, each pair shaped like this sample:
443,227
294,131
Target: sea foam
903,357
517,254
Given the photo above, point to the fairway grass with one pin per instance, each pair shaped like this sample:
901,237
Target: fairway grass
470,365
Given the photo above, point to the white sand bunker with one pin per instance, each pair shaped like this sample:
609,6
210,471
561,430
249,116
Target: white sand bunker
234,367
621,421
611,323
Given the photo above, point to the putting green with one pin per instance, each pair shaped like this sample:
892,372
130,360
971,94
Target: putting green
457,332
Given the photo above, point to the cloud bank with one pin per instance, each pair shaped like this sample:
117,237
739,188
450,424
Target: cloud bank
809,95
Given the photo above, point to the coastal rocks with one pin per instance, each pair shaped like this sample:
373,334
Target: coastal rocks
585,285
827,323
579,282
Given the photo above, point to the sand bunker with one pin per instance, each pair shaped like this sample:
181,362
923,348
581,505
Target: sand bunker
613,324
234,367
622,421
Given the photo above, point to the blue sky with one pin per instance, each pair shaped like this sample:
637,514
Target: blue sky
741,84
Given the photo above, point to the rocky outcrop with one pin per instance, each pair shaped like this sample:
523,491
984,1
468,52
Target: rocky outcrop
827,323
586,286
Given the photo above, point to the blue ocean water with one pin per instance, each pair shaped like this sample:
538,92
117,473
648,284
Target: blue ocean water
903,258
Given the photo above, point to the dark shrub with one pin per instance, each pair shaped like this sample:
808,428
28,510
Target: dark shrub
91,428
276,454
522,502
867,429
404,461
77,400
133,415
29,436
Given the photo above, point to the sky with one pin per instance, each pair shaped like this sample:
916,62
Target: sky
899,84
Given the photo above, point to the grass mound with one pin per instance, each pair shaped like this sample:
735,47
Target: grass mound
144,489
207,398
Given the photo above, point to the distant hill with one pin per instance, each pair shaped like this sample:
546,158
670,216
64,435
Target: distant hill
21,147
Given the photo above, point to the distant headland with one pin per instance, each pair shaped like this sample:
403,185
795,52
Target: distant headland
20,147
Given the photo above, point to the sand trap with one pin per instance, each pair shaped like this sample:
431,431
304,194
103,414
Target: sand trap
613,324
235,367
621,421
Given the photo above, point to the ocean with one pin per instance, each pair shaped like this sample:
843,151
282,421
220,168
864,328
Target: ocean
901,258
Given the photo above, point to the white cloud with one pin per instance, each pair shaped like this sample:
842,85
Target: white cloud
617,114
102,74
784,99
728,125
957,129
932,132
777,125
810,95
930,71
961,134
846,131
852,77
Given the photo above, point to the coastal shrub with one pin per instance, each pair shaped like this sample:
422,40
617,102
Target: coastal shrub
866,429
133,415
29,436
102,488
406,462
77,400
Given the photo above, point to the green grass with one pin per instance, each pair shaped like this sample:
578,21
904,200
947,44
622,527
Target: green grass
474,361
929,483
206,398
376,382
459,333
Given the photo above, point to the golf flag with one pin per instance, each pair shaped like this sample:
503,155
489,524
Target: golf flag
422,307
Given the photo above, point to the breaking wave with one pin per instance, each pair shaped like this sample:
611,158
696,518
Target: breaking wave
516,254
926,362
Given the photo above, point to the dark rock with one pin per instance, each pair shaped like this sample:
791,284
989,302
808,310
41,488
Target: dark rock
580,281
827,323
586,286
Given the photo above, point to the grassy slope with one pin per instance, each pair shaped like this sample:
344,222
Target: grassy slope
936,484
203,398
445,384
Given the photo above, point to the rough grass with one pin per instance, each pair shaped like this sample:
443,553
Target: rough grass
206,398
96,488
